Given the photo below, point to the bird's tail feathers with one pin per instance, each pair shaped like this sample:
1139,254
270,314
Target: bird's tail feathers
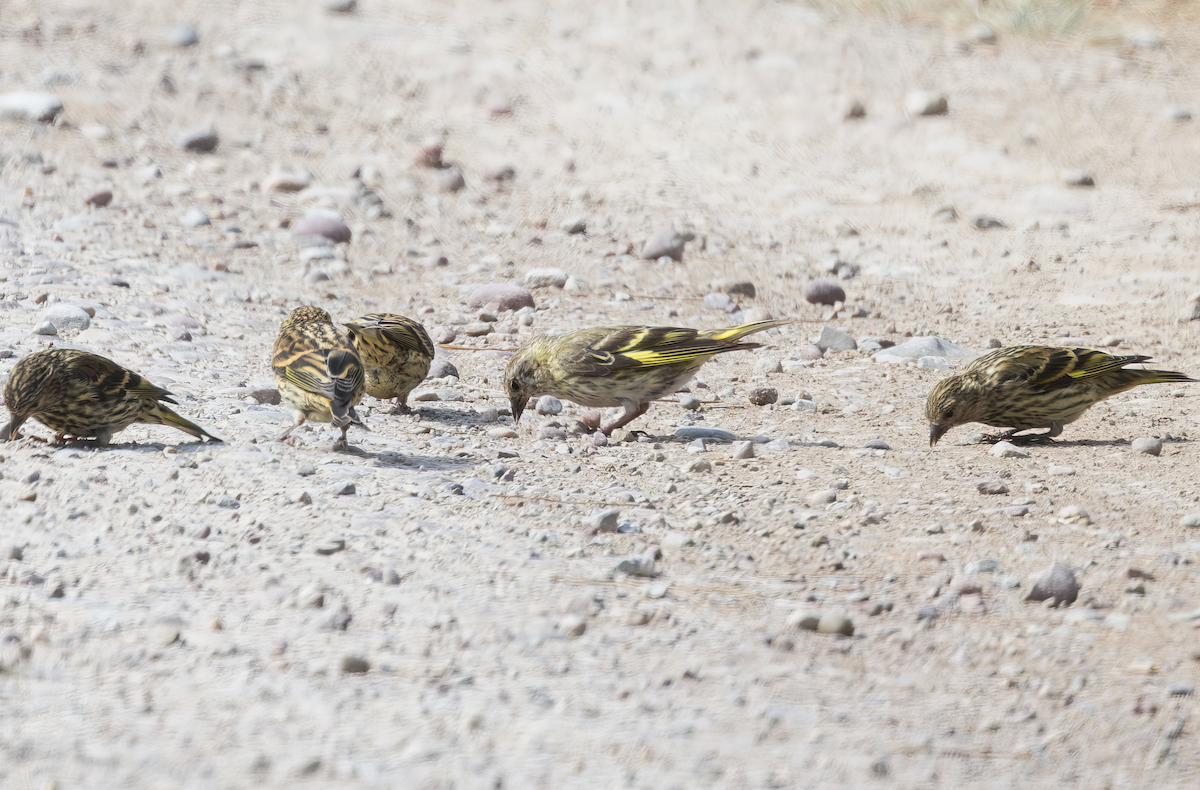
163,415
1158,376
730,333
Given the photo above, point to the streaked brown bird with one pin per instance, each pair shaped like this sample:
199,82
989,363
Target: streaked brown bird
1026,387
317,371
627,366
83,396
395,351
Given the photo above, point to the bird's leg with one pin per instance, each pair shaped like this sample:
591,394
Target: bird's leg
341,444
284,436
400,408
1030,438
629,415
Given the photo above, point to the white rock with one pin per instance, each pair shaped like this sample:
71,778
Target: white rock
30,106
1007,450
548,404
922,347
545,278
926,103
67,318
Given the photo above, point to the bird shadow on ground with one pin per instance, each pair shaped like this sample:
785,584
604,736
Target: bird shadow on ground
91,444
427,463
1050,443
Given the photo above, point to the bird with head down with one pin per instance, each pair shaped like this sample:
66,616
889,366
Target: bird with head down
626,366
1027,387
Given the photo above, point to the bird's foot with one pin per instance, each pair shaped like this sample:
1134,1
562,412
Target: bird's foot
1015,438
341,445
400,408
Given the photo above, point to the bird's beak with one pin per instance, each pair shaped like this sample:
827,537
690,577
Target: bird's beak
518,406
935,432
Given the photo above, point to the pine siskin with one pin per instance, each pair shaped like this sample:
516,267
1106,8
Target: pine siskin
318,372
1024,387
85,396
627,366
395,351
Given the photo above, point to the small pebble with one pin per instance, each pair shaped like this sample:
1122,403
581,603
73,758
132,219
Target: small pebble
1191,520
1007,450
1181,688
743,450
988,222
504,295
322,222
991,487
203,140
548,404
664,242
1148,445
926,103
355,665
835,623
183,35
29,106
1077,178
330,547
834,339
718,301
100,199
762,396
824,291
572,625
574,225
603,520
545,278
195,218
696,467
1056,583
689,401
1177,112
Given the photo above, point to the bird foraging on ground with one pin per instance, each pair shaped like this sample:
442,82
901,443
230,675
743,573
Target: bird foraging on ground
317,371
1025,387
395,351
627,366
83,396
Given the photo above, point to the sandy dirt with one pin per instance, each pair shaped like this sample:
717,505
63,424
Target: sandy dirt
186,615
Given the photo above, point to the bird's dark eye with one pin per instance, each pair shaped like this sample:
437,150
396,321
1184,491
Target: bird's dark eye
514,385
946,415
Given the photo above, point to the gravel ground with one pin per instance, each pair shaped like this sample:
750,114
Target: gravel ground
459,602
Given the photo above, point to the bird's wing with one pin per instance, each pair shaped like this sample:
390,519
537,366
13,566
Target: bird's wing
1062,367
309,370
106,378
407,334
1090,363
625,347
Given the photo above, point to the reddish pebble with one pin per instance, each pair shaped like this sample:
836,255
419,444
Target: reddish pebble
508,297
100,199
322,222
429,155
